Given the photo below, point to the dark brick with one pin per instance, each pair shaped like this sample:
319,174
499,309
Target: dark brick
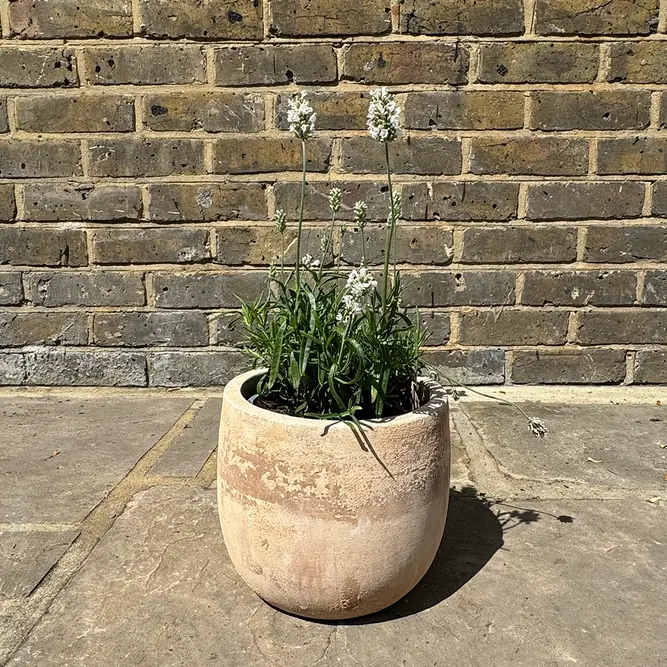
579,201
391,63
662,112
464,110
12,369
632,155
177,328
547,156
437,325
513,327
11,289
229,329
538,62
22,246
655,288
469,367
7,203
196,369
475,200
650,367
335,111
39,159
622,327
433,289
660,198
37,67
591,110
638,62
267,64
579,288
19,328
515,245
4,123
620,245
569,367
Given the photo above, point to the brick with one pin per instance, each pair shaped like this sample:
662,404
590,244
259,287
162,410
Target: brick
62,19
660,198
544,156
662,112
470,367
176,202
579,288
95,288
196,369
513,327
475,200
228,329
650,367
39,159
391,63
4,123
186,328
620,245
51,367
193,19
12,369
207,289
151,246
311,18
11,289
655,288
622,327
42,247
412,155
83,113
83,202
211,112
632,155
335,111
515,245
569,367
266,64
37,67
437,325
18,329
7,203
464,110
144,65
579,201
243,154
590,17
591,110
638,62
433,289
538,62
146,157
461,17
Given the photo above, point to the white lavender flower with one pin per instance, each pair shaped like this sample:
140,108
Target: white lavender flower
335,196
360,211
280,220
383,116
309,262
301,117
537,427
358,291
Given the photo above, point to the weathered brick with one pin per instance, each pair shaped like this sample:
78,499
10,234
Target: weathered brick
622,327
241,154
413,155
151,246
95,288
515,245
569,367
304,18
267,64
650,367
638,62
578,201
461,17
61,19
211,112
660,199
54,366
4,122
86,201
193,19
474,200
207,290
335,111
547,156
433,289
471,367
19,328
632,155
37,67
7,203
11,289
42,247
39,159
655,288
464,110
591,17
579,288
538,62
591,110
196,369
228,329
513,327
146,157
620,245
406,63
144,65
12,369
662,112
126,329
437,325
176,202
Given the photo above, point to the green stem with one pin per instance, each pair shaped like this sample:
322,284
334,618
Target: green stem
303,198
363,246
390,231
325,254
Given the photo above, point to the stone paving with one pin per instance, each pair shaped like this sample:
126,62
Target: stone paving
555,551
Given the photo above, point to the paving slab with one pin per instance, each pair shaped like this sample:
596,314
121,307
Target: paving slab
60,457
546,584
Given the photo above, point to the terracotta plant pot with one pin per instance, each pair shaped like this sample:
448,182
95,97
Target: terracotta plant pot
321,522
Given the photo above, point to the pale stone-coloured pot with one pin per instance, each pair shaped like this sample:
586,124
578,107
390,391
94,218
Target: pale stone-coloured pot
322,524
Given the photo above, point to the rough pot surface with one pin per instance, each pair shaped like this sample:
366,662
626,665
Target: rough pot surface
322,523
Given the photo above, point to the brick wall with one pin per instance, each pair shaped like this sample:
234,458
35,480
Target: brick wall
143,149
